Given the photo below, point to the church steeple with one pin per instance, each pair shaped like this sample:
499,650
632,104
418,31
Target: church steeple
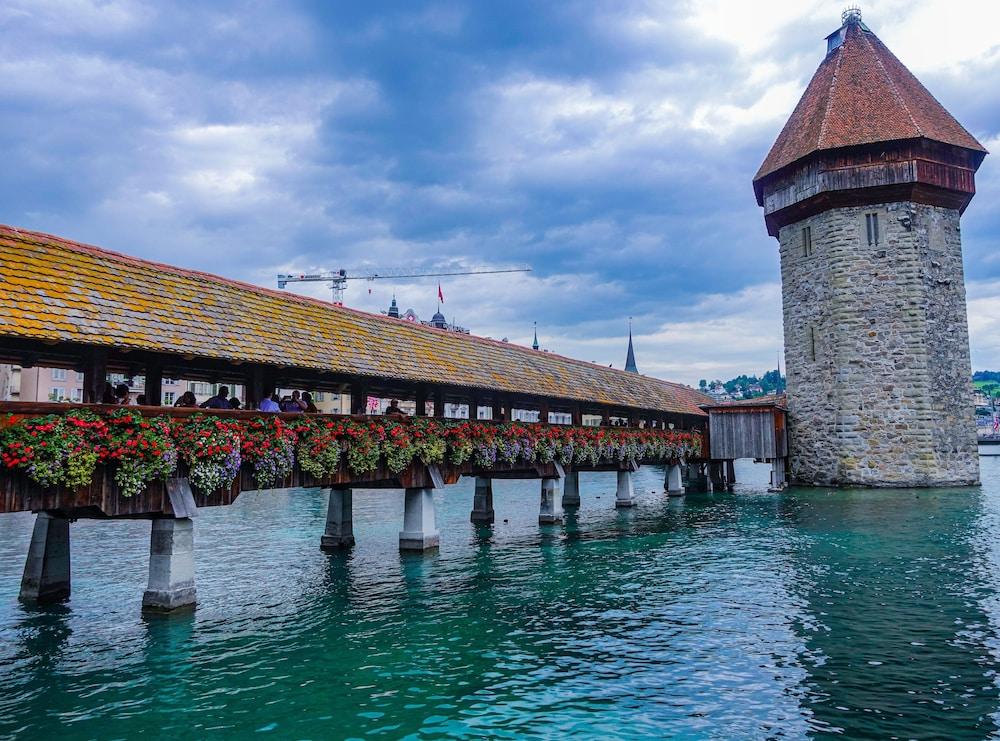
394,308
630,365
534,345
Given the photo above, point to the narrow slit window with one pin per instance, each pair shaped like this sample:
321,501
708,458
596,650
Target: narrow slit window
812,342
871,224
807,241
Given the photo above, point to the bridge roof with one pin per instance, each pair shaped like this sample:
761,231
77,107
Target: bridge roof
54,290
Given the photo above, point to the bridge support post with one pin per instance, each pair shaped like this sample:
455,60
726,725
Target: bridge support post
419,531
482,501
730,475
46,570
339,521
571,489
675,482
697,479
625,495
171,565
778,480
550,510
716,476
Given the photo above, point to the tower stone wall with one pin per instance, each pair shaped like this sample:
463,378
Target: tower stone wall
876,348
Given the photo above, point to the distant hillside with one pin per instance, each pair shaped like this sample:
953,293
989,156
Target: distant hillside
987,381
744,386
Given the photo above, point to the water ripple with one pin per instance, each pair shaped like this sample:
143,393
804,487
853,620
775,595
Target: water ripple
870,614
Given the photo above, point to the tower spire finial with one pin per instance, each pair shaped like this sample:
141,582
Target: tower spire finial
534,345
851,14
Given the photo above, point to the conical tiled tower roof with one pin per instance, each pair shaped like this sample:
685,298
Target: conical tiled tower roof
862,94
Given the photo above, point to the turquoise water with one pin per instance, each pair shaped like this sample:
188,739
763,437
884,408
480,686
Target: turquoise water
871,614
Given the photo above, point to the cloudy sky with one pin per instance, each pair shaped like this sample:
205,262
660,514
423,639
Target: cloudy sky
608,145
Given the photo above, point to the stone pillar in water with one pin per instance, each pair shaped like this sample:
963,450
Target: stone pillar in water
674,483
551,511
625,495
482,501
339,521
46,570
171,565
419,531
571,489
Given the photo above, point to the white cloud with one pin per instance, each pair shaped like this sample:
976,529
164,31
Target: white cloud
984,323
72,17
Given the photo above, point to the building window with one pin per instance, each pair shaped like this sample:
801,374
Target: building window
807,241
871,225
58,374
57,394
319,396
168,398
77,396
79,377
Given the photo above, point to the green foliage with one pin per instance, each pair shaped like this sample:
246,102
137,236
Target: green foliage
771,382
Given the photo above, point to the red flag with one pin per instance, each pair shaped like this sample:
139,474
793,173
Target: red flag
440,295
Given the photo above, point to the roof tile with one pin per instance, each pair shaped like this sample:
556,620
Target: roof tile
862,94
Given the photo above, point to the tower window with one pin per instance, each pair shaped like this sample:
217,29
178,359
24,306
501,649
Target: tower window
812,342
807,241
871,225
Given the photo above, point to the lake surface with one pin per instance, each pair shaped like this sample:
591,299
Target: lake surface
869,614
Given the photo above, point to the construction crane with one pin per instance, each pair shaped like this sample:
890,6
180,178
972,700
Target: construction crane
338,279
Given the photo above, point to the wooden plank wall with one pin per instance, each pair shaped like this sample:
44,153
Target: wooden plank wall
742,434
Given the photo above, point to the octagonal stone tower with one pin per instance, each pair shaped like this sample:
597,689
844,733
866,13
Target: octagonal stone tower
863,189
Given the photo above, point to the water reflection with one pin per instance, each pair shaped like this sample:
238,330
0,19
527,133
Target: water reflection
889,647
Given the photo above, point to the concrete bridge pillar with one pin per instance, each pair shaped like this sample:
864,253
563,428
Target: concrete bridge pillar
339,521
482,501
551,508
625,495
419,531
46,570
674,483
171,565
571,489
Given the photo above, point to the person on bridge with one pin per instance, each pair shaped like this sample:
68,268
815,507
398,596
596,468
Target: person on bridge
219,401
393,409
270,404
187,399
308,404
234,403
121,394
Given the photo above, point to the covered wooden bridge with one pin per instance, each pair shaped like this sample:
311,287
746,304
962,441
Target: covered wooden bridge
73,306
